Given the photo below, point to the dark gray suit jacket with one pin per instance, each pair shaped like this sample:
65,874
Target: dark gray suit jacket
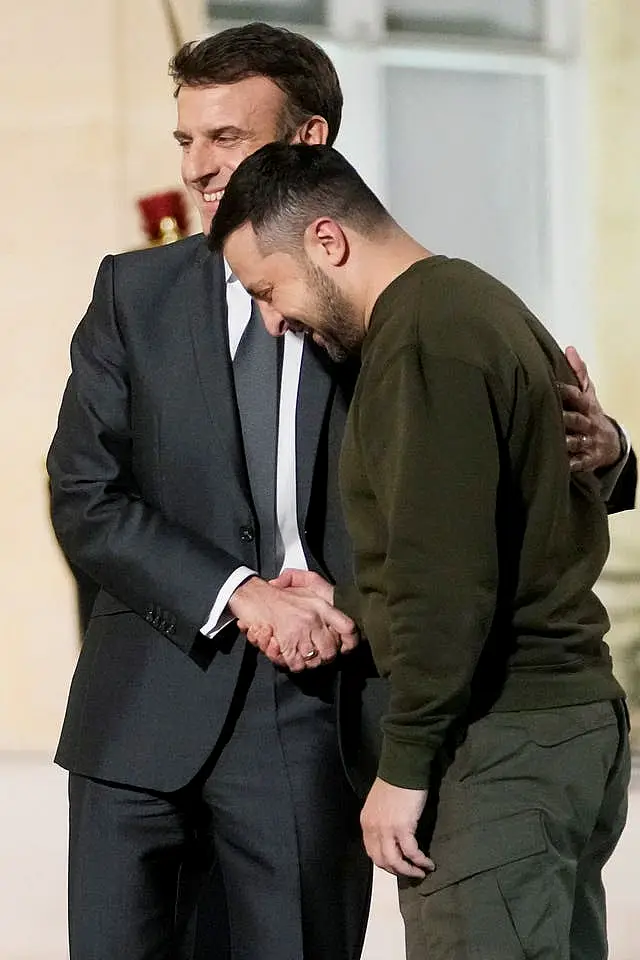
150,499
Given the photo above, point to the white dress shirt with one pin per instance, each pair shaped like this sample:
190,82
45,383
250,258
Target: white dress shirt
238,315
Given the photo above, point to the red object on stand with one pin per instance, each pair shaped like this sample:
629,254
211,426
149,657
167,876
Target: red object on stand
164,216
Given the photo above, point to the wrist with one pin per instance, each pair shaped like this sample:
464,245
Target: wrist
245,596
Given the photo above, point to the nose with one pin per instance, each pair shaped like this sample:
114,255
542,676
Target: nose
200,163
274,322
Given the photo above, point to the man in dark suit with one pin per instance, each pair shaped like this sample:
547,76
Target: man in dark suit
190,464
185,744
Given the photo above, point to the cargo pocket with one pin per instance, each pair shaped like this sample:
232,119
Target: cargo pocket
489,898
551,728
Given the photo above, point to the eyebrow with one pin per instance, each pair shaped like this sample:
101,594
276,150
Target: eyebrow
214,133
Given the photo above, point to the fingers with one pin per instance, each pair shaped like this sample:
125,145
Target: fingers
309,656
348,641
306,579
297,578
583,462
336,619
388,853
345,643
593,444
337,634
578,366
260,635
579,444
573,399
578,464
273,653
326,642
286,579
412,852
577,422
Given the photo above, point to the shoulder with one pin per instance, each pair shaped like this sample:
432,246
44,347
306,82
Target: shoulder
453,323
143,280
468,315
447,309
158,261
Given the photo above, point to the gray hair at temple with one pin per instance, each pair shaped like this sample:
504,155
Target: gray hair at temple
282,188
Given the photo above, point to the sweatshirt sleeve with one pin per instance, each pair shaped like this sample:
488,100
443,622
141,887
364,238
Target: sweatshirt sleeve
429,440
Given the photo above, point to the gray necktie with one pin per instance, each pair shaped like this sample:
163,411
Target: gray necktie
256,373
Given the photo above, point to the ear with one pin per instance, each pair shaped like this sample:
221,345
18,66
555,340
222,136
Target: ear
313,132
326,243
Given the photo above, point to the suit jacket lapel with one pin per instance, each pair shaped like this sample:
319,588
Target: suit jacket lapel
207,305
316,388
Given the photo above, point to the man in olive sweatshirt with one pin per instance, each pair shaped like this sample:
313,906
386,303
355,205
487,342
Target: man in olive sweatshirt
502,781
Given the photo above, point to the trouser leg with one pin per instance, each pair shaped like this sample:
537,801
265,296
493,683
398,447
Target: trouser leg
203,905
272,804
335,872
506,825
589,919
126,850
285,826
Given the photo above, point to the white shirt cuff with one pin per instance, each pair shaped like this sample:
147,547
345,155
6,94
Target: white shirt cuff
609,477
220,617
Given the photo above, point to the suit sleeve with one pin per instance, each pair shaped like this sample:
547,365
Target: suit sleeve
162,571
433,463
623,495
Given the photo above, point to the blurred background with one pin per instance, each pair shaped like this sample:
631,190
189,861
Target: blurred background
504,132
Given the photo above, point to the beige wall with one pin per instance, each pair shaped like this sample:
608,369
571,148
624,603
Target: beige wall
613,57
85,128
613,51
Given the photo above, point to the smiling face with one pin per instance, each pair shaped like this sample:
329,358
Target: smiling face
295,294
220,125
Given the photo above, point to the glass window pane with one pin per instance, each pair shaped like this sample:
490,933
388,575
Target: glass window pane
517,19
466,172
310,12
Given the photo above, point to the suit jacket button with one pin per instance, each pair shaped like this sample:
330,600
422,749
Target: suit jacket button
247,535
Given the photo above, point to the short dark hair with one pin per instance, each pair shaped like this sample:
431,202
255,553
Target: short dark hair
282,188
297,65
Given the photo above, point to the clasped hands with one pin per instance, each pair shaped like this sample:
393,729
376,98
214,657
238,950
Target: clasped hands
292,620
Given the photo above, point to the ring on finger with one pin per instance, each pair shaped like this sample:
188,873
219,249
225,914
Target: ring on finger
310,655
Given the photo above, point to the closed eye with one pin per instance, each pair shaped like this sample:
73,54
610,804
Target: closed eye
261,293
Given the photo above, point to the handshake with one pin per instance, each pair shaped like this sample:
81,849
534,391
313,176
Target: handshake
292,619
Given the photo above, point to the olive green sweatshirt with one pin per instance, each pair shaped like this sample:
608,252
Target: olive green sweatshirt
476,549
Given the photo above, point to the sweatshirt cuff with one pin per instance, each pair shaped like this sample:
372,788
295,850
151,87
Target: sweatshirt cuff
405,764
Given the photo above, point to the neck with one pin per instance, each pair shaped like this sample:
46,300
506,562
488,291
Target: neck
388,261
